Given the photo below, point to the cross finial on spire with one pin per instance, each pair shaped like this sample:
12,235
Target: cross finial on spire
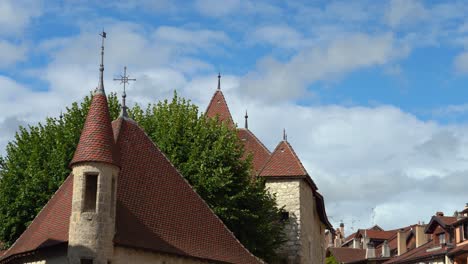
219,81
285,136
246,120
100,88
124,80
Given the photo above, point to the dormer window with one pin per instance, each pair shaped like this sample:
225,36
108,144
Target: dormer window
442,238
90,192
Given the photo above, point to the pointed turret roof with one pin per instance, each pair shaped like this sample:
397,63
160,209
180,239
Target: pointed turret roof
283,162
219,108
97,140
252,145
179,223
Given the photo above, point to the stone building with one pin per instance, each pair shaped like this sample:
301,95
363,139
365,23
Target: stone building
286,177
124,202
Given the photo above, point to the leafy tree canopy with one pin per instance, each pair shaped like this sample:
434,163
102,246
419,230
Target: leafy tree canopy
208,154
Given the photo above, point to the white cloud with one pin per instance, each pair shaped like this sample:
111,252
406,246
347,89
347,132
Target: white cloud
11,53
278,36
15,15
274,80
405,11
461,63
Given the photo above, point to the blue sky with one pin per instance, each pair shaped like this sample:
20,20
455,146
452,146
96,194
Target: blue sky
372,93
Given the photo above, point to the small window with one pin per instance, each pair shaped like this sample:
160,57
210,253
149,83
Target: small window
86,261
90,196
284,216
442,239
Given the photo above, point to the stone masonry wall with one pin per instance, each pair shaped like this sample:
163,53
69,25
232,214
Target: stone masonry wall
124,255
91,233
312,229
288,195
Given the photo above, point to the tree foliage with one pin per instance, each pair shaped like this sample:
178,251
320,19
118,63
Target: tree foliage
208,154
331,260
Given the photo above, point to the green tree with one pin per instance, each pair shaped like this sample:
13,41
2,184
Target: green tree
36,164
208,154
331,260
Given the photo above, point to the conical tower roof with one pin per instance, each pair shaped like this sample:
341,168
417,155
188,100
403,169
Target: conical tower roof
219,108
283,162
97,140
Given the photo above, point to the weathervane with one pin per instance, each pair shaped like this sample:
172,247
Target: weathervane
124,80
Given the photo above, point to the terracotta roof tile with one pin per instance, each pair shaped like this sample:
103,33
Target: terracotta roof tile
346,255
50,226
219,108
283,163
252,145
418,254
96,140
157,209
179,221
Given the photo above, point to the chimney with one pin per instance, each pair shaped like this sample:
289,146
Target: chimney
385,250
401,242
342,229
370,251
365,240
421,237
439,213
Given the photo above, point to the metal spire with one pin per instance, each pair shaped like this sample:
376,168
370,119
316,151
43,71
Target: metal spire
100,88
285,136
246,120
124,80
219,81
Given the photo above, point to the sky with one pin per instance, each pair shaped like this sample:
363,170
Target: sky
372,94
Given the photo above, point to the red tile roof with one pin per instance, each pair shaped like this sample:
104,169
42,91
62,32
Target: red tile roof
50,226
96,141
377,234
283,163
219,108
418,254
157,209
252,145
346,255
178,221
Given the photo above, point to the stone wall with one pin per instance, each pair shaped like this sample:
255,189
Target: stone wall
312,229
91,233
288,195
124,255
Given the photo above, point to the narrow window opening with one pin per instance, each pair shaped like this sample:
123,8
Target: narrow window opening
90,197
284,216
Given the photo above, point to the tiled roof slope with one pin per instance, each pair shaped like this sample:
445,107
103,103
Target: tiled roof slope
96,140
346,255
283,163
50,226
419,253
260,154
157,209
164,212
219,108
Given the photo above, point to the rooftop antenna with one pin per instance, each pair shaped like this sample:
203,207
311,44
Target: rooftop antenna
100,88
124,80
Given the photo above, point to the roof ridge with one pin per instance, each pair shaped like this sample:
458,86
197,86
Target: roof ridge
191,187
256,139
297,158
